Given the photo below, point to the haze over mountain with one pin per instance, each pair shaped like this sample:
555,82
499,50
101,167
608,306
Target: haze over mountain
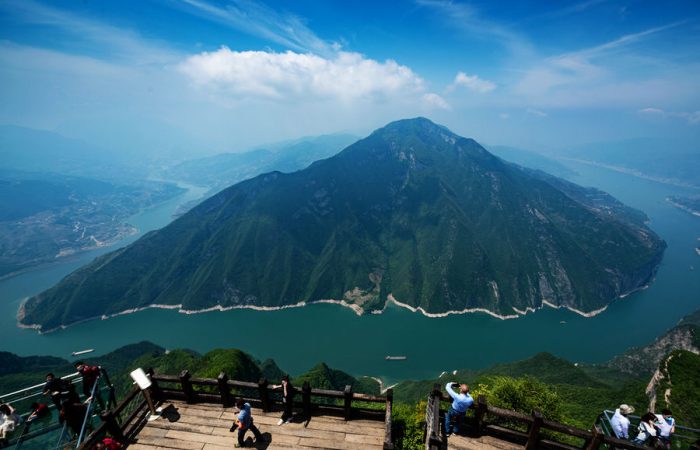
412,211
40,151
668,160
222,170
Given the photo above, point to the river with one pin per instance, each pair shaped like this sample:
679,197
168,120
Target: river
298,338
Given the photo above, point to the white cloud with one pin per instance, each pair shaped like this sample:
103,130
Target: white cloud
616,72
693,118
473,83
435,101
292,76
536,112
651,111
260,20
107,41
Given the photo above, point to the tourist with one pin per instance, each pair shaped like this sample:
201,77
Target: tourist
73,414
620,423
54,387
38,411
108,443
244,422
90,375
646,430
287,400
667,426
460,404
9,420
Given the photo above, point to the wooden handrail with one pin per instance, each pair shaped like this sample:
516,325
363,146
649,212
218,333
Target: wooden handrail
327,393
532,438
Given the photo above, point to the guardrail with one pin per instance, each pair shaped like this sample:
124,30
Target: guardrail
222,390
50,432
687,434
535,432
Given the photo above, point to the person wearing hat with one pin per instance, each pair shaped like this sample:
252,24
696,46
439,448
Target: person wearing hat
620,423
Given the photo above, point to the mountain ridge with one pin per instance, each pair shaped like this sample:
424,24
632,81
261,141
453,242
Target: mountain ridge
412,211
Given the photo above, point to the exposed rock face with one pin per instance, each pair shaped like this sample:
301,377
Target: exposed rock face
646,360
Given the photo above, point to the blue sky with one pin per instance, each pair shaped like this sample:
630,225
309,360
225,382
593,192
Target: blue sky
203,76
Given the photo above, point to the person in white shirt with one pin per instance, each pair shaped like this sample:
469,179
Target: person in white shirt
620,423
646,430
9,420
667,426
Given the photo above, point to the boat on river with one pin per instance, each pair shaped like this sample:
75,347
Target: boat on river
395,358
82,352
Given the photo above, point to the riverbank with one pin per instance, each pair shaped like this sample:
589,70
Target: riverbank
353,307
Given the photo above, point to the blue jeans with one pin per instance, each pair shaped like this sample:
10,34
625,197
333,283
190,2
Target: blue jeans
458,418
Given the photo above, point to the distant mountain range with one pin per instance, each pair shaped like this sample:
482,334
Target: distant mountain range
663,160
532,160
225,169
413,213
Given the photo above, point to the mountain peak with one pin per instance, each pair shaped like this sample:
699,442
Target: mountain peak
413,125
413,212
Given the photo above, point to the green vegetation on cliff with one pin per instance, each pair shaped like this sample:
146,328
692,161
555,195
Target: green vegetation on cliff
413,210
679,387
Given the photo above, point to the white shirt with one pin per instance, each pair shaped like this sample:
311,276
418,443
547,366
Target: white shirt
620,424
645,431
664,427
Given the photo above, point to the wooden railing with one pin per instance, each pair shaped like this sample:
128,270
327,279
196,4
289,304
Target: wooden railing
434,438
220,390
535,432
121,421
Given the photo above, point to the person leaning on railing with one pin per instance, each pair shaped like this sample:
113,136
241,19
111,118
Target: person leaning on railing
460,404
9,420
666,425
620,423
90,375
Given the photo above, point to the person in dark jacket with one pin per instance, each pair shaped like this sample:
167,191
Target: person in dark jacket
90,375
287,400
73,414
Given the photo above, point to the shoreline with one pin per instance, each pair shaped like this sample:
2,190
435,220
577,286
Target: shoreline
355,308
683,207
634,172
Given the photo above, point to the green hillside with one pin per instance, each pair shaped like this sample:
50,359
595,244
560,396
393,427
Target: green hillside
679,387
412,210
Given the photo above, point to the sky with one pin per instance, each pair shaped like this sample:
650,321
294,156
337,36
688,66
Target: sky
197,77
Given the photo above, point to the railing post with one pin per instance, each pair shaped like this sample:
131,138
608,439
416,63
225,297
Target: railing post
155,388
186,383
597,438
533,435
112,426
438,438
224,390
348,401
112,400
481,408
306,399
264,395
388,444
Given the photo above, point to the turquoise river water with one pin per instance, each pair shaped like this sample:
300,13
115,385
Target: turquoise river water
299,338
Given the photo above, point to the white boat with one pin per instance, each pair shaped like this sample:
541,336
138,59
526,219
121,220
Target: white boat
82,352
395,358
